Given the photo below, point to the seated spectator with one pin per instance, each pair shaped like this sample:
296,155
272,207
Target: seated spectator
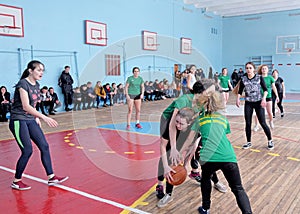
120,94
77,99
45,101
109,93
148,91
91,97
5,103
100,94
84,96
114,90
55,99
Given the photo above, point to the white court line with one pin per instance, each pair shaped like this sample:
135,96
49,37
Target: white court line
87,195
284,127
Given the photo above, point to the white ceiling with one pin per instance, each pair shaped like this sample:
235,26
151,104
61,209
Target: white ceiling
228,8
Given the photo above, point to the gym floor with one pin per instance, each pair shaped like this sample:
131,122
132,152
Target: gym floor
114,171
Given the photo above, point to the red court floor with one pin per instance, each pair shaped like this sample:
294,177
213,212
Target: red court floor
109,170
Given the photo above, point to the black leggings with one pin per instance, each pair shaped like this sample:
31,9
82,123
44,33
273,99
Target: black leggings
260,113
233,177
24,131
279,104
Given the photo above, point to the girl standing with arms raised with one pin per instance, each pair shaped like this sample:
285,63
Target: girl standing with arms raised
134,91
252,83
25,124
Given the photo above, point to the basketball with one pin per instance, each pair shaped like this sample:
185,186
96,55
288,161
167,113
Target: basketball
180,175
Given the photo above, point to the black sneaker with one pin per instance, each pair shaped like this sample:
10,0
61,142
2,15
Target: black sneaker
247,145
195,176
202,211
160,191
270,145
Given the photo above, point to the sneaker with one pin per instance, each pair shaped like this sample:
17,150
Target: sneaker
247,145
57,180
128,127
282,114
160,191
20,186
271,124
195,176
220,187
270,145
203,211
138,126
256,128
165,200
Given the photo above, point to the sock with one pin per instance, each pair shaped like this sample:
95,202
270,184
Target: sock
137,122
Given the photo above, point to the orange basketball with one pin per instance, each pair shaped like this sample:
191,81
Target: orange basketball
180,175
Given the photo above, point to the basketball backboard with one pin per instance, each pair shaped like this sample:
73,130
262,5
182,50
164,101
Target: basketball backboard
185,45
95,33
11,21
288,44
149,40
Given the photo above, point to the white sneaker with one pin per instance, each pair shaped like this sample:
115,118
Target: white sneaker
165,200
271,124
256,128
220,187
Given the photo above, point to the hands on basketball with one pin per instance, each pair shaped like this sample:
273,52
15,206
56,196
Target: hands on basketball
177,175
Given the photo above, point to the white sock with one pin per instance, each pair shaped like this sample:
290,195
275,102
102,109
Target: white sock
137,121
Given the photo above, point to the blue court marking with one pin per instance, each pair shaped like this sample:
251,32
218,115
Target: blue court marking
151,128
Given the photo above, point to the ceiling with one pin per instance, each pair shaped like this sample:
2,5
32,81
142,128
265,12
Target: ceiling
229,8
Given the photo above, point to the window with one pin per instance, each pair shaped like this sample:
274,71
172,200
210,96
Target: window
112,64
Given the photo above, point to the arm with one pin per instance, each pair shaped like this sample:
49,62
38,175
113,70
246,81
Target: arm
28,108
229,83
188,80
174,155
275,92
163,153
264,87
283,89
142,90
126,90
241,88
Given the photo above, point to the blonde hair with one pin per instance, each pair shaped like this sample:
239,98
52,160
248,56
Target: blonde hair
212,102
188,114
259,69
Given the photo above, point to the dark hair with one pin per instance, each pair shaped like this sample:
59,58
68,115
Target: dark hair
50,88
31,65
198,88
249,63
67,66
135,68
3,87
275,70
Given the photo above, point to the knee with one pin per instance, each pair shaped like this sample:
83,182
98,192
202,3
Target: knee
27,152
44,147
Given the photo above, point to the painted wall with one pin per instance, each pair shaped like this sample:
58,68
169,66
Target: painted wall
54,33
247,36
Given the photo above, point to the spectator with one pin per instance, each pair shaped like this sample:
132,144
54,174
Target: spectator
148,91
55,99
114,90
77,99
120,94
90,99
100,94
84,96
5,103
45,101
65,81
109,93
199,74
234,77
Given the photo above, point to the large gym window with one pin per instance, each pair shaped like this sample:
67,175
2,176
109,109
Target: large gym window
112,64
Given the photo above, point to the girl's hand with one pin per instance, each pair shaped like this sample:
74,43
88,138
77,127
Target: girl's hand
175,157
263,103
50,122
167,173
